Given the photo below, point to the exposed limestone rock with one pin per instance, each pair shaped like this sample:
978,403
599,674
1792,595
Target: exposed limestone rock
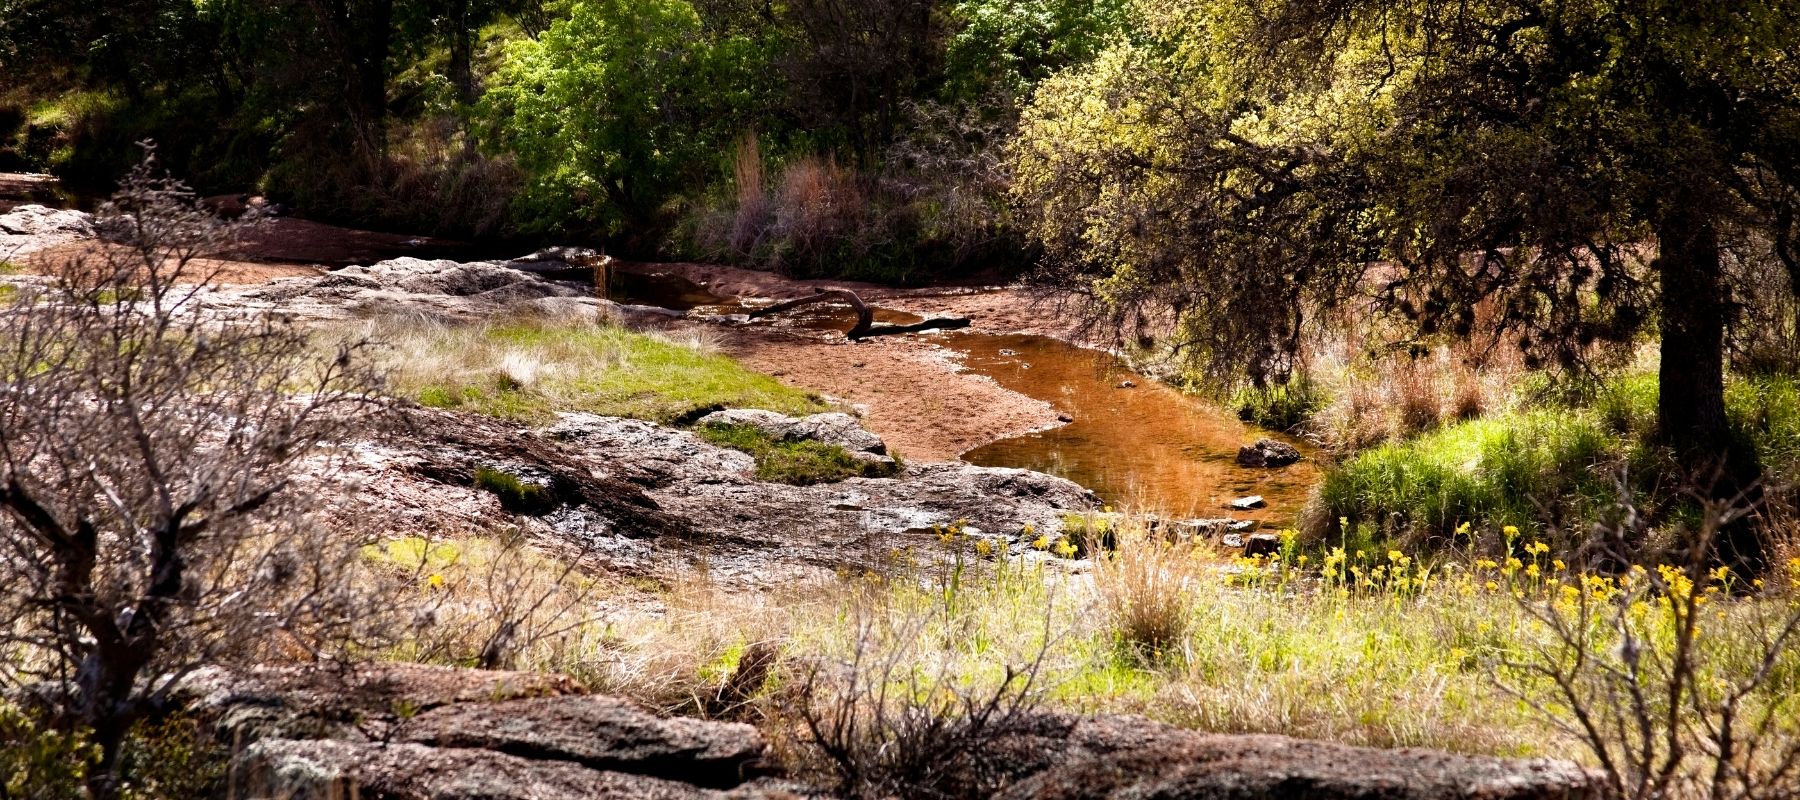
425,733
430,733
30,228
282,769
1267,453
438,287
639,498
1128,757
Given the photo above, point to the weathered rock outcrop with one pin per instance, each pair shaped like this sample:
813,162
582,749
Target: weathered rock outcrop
30,228
1268,453
430,733
639,498
439,287
1104,758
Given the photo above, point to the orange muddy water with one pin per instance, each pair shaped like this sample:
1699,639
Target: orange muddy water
1143,448
1146,448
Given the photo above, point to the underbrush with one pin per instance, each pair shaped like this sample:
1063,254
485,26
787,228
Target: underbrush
171,759
529,369
1548,467
937,209
934,660
797,462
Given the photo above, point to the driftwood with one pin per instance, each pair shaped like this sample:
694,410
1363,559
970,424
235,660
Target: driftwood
865,316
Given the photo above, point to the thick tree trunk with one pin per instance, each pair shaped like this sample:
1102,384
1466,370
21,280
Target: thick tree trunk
1691,403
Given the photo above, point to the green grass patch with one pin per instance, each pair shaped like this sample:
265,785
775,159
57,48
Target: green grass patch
518,496
801,463
529,370
1510,469
1559,461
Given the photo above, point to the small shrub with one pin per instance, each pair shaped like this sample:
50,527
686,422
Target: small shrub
517,496
1285,407
801,463
168,759
902,717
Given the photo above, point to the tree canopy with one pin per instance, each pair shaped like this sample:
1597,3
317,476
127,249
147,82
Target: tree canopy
1587,168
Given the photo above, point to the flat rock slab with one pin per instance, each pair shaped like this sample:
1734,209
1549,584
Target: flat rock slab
603,733
1113,758
284,769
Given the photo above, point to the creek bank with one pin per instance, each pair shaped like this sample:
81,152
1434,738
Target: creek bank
432,733
630,497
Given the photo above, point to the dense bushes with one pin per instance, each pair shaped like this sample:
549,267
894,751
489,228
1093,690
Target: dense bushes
619,106
860,137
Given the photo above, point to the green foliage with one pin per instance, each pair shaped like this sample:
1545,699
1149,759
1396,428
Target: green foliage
38,763
166,760
516,495
1010,45
618,106
797,462
1250,165
1282,407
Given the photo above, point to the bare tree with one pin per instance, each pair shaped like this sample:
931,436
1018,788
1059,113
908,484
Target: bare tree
154,467
1676,688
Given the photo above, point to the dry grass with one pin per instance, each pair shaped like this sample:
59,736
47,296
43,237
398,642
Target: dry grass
1145,588
1364,648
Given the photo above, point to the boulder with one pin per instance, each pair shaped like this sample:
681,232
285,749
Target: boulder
30,228
1262,544
1109,757
1267,453
1247,503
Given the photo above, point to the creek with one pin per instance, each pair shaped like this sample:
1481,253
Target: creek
1135,441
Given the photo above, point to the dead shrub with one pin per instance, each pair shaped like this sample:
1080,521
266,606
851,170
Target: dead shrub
1676,688
1413,392
902,718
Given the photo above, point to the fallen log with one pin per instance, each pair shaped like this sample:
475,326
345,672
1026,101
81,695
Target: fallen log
865,326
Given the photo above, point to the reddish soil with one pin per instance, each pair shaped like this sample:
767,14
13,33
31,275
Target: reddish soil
204,270
910,391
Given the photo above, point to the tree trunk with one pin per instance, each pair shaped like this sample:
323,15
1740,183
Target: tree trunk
462,69
1691,402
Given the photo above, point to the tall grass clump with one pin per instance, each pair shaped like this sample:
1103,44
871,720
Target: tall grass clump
529,368
1146,588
